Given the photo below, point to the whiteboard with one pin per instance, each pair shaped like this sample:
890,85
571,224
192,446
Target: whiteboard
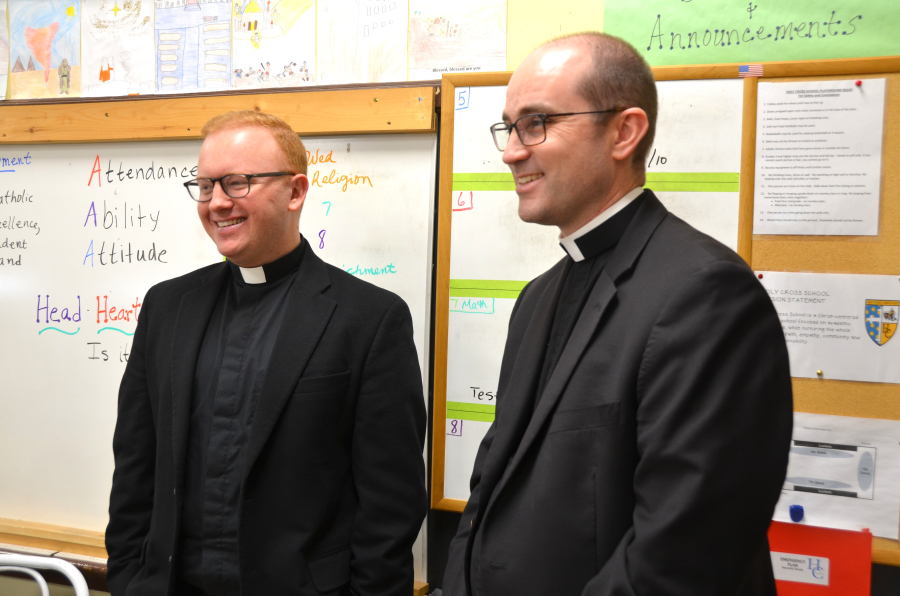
61,376
693,167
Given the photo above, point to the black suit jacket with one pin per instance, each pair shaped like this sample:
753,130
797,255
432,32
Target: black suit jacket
654,459
333,493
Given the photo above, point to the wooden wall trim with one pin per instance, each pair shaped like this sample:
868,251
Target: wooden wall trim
885,552
793,68
56,538
748,170
354,111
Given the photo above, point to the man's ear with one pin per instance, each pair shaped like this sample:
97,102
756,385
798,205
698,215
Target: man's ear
299,187
631,127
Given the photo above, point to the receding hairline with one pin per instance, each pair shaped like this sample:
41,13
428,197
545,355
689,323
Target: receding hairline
593,41
616,73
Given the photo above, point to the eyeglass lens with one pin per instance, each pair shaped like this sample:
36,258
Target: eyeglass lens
531,131
234,185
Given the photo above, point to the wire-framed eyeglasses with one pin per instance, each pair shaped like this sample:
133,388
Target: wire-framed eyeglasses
532,128
235,186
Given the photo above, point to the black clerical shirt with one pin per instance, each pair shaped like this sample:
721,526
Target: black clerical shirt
581,274
230,370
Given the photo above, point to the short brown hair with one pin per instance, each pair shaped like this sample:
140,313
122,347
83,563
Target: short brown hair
620,78
284,135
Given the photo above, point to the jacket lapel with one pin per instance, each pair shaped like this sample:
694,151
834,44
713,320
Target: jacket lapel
306,315
648,217
523,383
190,326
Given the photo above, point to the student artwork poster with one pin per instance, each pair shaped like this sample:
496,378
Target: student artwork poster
453,37
193,46
4,51
361,42
45,48
117,53
274,43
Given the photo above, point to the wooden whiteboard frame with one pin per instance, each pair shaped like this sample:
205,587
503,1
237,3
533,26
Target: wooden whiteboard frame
883,551
369,109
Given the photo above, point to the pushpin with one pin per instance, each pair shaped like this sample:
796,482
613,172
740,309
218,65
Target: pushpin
760,275
819,372
796,512
859,83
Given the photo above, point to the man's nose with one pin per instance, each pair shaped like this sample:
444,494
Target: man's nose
219,199
515,150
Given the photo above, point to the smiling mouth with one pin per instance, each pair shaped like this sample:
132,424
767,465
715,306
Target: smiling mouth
526,179
230,222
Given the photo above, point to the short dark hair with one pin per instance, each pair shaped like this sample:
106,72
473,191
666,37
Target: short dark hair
619,78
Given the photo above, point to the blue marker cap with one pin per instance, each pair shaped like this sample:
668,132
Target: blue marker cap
796,512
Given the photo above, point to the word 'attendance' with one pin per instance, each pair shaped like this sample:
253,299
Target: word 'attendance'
151,172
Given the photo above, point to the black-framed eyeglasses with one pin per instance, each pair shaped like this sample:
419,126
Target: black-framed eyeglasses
532,128
235,186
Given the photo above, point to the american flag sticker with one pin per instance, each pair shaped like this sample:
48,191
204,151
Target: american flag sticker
750,70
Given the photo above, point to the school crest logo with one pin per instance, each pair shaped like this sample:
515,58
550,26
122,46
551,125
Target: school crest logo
881,319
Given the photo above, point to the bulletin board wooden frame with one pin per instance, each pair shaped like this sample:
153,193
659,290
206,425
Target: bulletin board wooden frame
835,254
366,109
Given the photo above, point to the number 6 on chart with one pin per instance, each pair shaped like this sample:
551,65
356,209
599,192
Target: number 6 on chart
464,203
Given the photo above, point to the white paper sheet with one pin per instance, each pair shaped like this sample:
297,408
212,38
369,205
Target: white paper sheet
454,37
274,43
818,157
361,41
839,324
117,53
794,567
845,472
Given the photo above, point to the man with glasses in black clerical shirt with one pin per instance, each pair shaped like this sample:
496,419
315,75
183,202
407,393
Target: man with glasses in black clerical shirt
644,402
271,416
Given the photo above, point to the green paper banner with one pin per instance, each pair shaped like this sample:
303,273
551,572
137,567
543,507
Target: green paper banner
485,288
718,31
467,411
658,181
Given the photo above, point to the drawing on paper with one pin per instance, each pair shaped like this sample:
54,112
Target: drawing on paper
45,35
459,36
274,43
193,45
117,55
850,469
361,41
4,53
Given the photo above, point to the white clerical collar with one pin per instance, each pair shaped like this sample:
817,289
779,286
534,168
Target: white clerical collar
271,272
253,275
568,242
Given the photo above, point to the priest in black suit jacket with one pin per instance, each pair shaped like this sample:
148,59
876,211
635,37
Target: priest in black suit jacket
271,417
644,403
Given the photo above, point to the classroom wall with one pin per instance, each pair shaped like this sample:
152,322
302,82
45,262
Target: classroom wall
529,23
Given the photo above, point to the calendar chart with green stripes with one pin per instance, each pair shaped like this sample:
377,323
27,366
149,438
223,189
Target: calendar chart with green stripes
693,167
